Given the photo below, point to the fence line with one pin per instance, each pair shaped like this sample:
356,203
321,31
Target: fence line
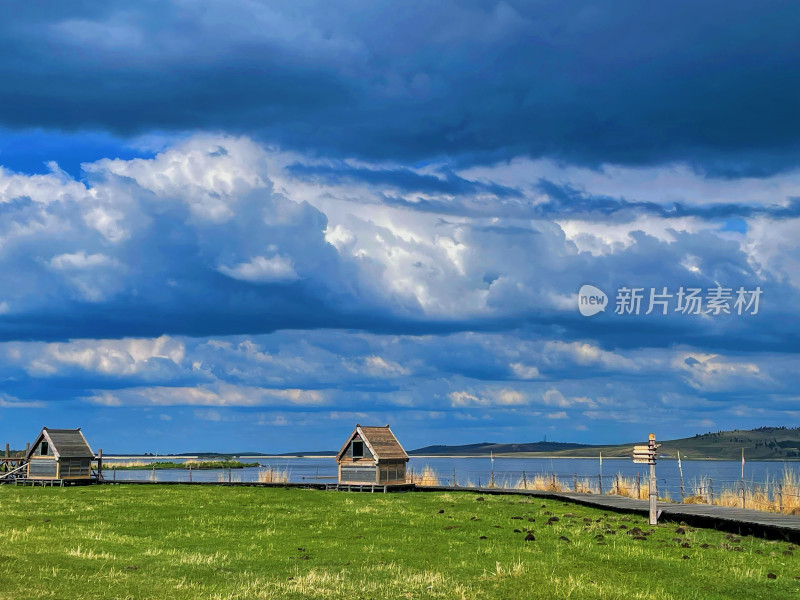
773,494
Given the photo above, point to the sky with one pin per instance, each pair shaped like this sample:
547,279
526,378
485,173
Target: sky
248,226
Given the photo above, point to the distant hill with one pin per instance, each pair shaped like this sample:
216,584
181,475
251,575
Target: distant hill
487,447
764,443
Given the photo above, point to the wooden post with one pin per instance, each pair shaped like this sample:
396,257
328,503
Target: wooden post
575,482
711,490
115,473
638,485
27,448
616,479
600,482
742,485
653,484
100,464
229,475
553,475
680,470
190,473
455,481
8,450
780,497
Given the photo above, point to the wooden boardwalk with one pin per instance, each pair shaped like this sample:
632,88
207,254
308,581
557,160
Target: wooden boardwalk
741,521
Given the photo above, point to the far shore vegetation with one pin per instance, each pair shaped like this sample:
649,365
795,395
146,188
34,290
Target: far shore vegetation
194,464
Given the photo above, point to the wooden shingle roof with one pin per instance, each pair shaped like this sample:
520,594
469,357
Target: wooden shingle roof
64,442
381,441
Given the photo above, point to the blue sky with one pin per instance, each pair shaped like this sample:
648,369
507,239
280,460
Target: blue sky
249,225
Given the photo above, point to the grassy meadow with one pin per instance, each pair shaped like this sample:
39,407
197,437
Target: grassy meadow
253,543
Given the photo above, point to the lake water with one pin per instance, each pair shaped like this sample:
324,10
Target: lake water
507,471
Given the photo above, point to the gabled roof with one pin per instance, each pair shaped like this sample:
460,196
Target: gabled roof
380,441
64,442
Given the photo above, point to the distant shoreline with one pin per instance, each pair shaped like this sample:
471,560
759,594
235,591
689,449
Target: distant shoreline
432,456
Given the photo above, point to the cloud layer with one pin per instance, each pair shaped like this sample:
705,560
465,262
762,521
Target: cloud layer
244,222
623,83
164,288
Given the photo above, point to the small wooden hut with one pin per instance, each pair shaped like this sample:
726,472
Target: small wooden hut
372,455
60,454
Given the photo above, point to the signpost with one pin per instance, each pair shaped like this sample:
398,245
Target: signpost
647,455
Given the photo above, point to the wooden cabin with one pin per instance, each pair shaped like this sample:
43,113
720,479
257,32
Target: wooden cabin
60,454
372,455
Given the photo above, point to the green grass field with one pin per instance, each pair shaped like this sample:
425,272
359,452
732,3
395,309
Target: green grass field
241,543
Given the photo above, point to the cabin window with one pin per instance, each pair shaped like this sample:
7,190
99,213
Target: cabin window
358,449
44,448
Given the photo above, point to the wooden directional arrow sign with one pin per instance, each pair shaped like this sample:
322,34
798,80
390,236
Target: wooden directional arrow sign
645,455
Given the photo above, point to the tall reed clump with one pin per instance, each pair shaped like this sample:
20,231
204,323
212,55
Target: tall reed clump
585,485
629,487
426,477
701,491
110,464
772,496
779,495
541,481
791,492
272,475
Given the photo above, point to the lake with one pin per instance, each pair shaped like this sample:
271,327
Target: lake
507,471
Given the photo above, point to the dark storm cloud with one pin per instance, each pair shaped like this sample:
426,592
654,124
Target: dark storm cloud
566,201
402,178
712,84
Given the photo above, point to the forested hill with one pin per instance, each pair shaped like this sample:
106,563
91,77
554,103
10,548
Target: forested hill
764,443
489,447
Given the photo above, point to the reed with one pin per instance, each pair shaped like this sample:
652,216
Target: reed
122,464
626,486
585,485
192,464
270,474
426,477
781,494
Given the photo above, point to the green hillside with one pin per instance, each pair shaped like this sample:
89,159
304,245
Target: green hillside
487,447
764,443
